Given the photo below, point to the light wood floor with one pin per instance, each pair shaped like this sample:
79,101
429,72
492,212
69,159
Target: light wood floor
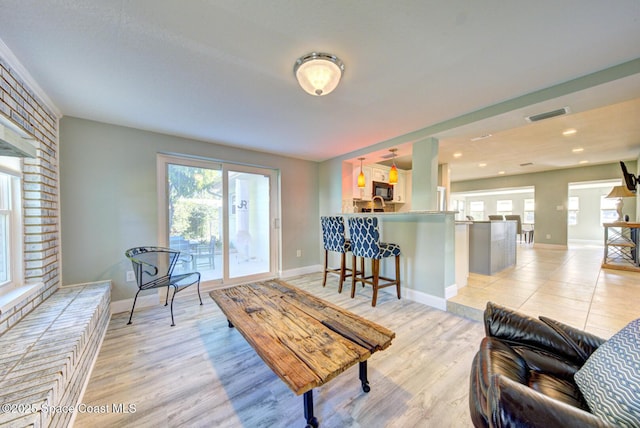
200,373
203,374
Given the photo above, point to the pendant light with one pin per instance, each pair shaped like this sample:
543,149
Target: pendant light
393,173
361,179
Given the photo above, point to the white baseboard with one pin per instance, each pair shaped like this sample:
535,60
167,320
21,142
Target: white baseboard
420,297
118,306
450,291
300,271
550,246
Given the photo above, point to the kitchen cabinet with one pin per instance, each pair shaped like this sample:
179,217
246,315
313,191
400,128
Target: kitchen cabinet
379,174
363,194
492,246
462,253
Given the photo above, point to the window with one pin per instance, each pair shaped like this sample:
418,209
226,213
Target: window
476,209
608,211
10,224
574,207
458,205
529,211
504,207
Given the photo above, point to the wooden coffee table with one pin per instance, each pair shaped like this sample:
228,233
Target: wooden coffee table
305,340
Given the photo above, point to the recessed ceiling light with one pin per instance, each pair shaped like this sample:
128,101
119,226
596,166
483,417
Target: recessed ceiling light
583,161
457,154
568,132
577,150
481,137
500,172
482,165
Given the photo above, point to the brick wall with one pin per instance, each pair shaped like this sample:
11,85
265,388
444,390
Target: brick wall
40,190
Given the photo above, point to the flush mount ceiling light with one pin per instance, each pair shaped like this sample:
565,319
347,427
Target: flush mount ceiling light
318,73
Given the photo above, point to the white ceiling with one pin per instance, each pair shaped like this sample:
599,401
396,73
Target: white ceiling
222,71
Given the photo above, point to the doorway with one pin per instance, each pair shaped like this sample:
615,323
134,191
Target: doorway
588,208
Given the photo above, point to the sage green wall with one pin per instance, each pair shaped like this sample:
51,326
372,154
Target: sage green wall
424,175
551,194
108,198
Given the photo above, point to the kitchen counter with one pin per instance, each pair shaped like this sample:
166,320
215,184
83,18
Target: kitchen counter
492,246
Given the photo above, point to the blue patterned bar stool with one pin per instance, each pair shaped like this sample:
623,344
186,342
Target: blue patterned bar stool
365,243
334,240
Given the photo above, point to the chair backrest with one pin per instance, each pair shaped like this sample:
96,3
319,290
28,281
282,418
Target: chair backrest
517,218
364,236
333,233
152,266
496,217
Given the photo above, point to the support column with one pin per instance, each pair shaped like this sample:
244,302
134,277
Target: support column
424,175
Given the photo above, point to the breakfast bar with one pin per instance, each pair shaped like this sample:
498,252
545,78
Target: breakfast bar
427,262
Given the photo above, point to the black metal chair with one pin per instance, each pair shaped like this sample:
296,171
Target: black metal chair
153,267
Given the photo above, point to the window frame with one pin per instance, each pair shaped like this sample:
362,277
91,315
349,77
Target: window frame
504,203
475,213
12,168
529,211
608,210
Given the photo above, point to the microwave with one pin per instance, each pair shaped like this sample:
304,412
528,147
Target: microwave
384,190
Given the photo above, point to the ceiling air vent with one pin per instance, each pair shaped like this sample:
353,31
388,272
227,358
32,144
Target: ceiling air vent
526,164
547,115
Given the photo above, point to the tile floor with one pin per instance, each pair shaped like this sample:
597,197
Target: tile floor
567,285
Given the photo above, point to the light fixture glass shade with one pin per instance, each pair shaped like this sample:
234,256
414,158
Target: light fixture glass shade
318,73
361,178
393,174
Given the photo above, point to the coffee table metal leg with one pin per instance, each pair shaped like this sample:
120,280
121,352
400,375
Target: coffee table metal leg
229,324
312,422
363,376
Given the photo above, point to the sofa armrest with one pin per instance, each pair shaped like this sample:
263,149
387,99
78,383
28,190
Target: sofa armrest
519,329
518,406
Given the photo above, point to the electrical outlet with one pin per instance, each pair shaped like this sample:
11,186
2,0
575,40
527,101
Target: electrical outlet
548,236
130,277
298,253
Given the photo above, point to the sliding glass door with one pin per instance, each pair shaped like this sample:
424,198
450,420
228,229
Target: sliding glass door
249,222
222,215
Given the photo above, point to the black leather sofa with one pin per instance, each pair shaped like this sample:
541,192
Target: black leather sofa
522,375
